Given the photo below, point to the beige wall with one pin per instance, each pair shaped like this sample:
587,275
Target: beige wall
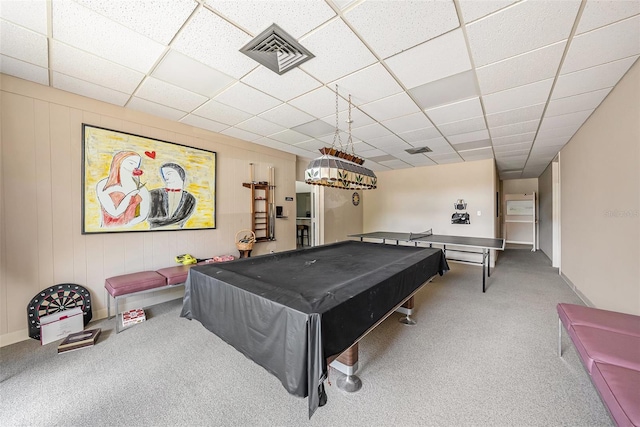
40,211
341,217
416,199
600,193
520,186
545,211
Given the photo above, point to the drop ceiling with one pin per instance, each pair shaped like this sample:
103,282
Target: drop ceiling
471,80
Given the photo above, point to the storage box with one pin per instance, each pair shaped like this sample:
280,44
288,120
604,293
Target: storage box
59,325
132,317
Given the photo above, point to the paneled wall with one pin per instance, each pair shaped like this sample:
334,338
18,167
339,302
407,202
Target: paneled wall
40,191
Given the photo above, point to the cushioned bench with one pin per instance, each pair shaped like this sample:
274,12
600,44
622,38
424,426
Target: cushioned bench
608,344
142,282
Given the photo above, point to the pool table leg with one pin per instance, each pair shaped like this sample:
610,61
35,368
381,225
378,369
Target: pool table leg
407,310
347,363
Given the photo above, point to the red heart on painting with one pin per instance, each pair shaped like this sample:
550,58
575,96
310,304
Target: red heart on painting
151,154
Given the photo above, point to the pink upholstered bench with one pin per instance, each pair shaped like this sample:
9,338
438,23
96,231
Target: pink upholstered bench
608,344
142,282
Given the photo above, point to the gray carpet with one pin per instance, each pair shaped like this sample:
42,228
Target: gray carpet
473,359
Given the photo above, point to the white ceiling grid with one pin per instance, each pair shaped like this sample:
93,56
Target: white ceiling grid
504,79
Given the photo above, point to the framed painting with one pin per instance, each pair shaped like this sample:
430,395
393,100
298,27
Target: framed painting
135,183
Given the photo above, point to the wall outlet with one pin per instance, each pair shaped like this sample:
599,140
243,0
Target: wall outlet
479,213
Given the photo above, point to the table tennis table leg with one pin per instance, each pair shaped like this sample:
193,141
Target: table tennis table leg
488,262
484,258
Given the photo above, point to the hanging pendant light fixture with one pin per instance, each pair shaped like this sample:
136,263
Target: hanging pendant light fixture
337,168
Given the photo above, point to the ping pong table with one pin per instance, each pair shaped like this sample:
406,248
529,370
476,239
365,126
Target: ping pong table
486,245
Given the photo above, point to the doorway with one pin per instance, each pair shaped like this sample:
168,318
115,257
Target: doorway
306,215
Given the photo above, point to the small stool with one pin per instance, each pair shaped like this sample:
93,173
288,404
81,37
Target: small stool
244,253
302,229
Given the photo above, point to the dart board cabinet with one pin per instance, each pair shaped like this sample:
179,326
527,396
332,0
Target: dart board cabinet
57,298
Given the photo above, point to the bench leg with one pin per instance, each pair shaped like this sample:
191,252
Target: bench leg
116,316
559,337
108,304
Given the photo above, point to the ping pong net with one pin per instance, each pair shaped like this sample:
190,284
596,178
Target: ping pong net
420,235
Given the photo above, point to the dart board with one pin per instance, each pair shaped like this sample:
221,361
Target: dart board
54,299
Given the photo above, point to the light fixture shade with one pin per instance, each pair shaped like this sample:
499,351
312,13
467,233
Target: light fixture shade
334,172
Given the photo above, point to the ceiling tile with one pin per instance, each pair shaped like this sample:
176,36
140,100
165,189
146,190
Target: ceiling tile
358,118
572,104
467,109
286,115
260,126
167,94
514,139
319,103
296,17
289,137
287,86
82,65
520,28
606,44
571,119
479,135
388,141
445,91
215,42
474,145
159,20
524,114
241,134
434,60
90,90
591,79
312,145
29,14
391,107
85,29
533,66
515,128
395,164
420,134
421,20
338,52
599,13
203,123
522,96
407,123
367,85
222,113
23,44
268,142
155,109
371,131
187,73
545,132
464,126
440,158
479,154
315,128
474,9
512,147
24,70
247,99
551,141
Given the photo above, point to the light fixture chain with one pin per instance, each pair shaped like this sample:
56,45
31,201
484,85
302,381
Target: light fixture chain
336,136
349,121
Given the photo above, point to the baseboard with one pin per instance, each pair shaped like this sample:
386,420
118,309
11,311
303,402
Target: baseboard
575,289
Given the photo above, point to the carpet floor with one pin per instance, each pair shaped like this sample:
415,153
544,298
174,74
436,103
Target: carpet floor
473,359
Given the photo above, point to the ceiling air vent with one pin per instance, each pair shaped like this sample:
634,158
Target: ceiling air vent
276,50
419,150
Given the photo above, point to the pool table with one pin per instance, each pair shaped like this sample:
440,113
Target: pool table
294,312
